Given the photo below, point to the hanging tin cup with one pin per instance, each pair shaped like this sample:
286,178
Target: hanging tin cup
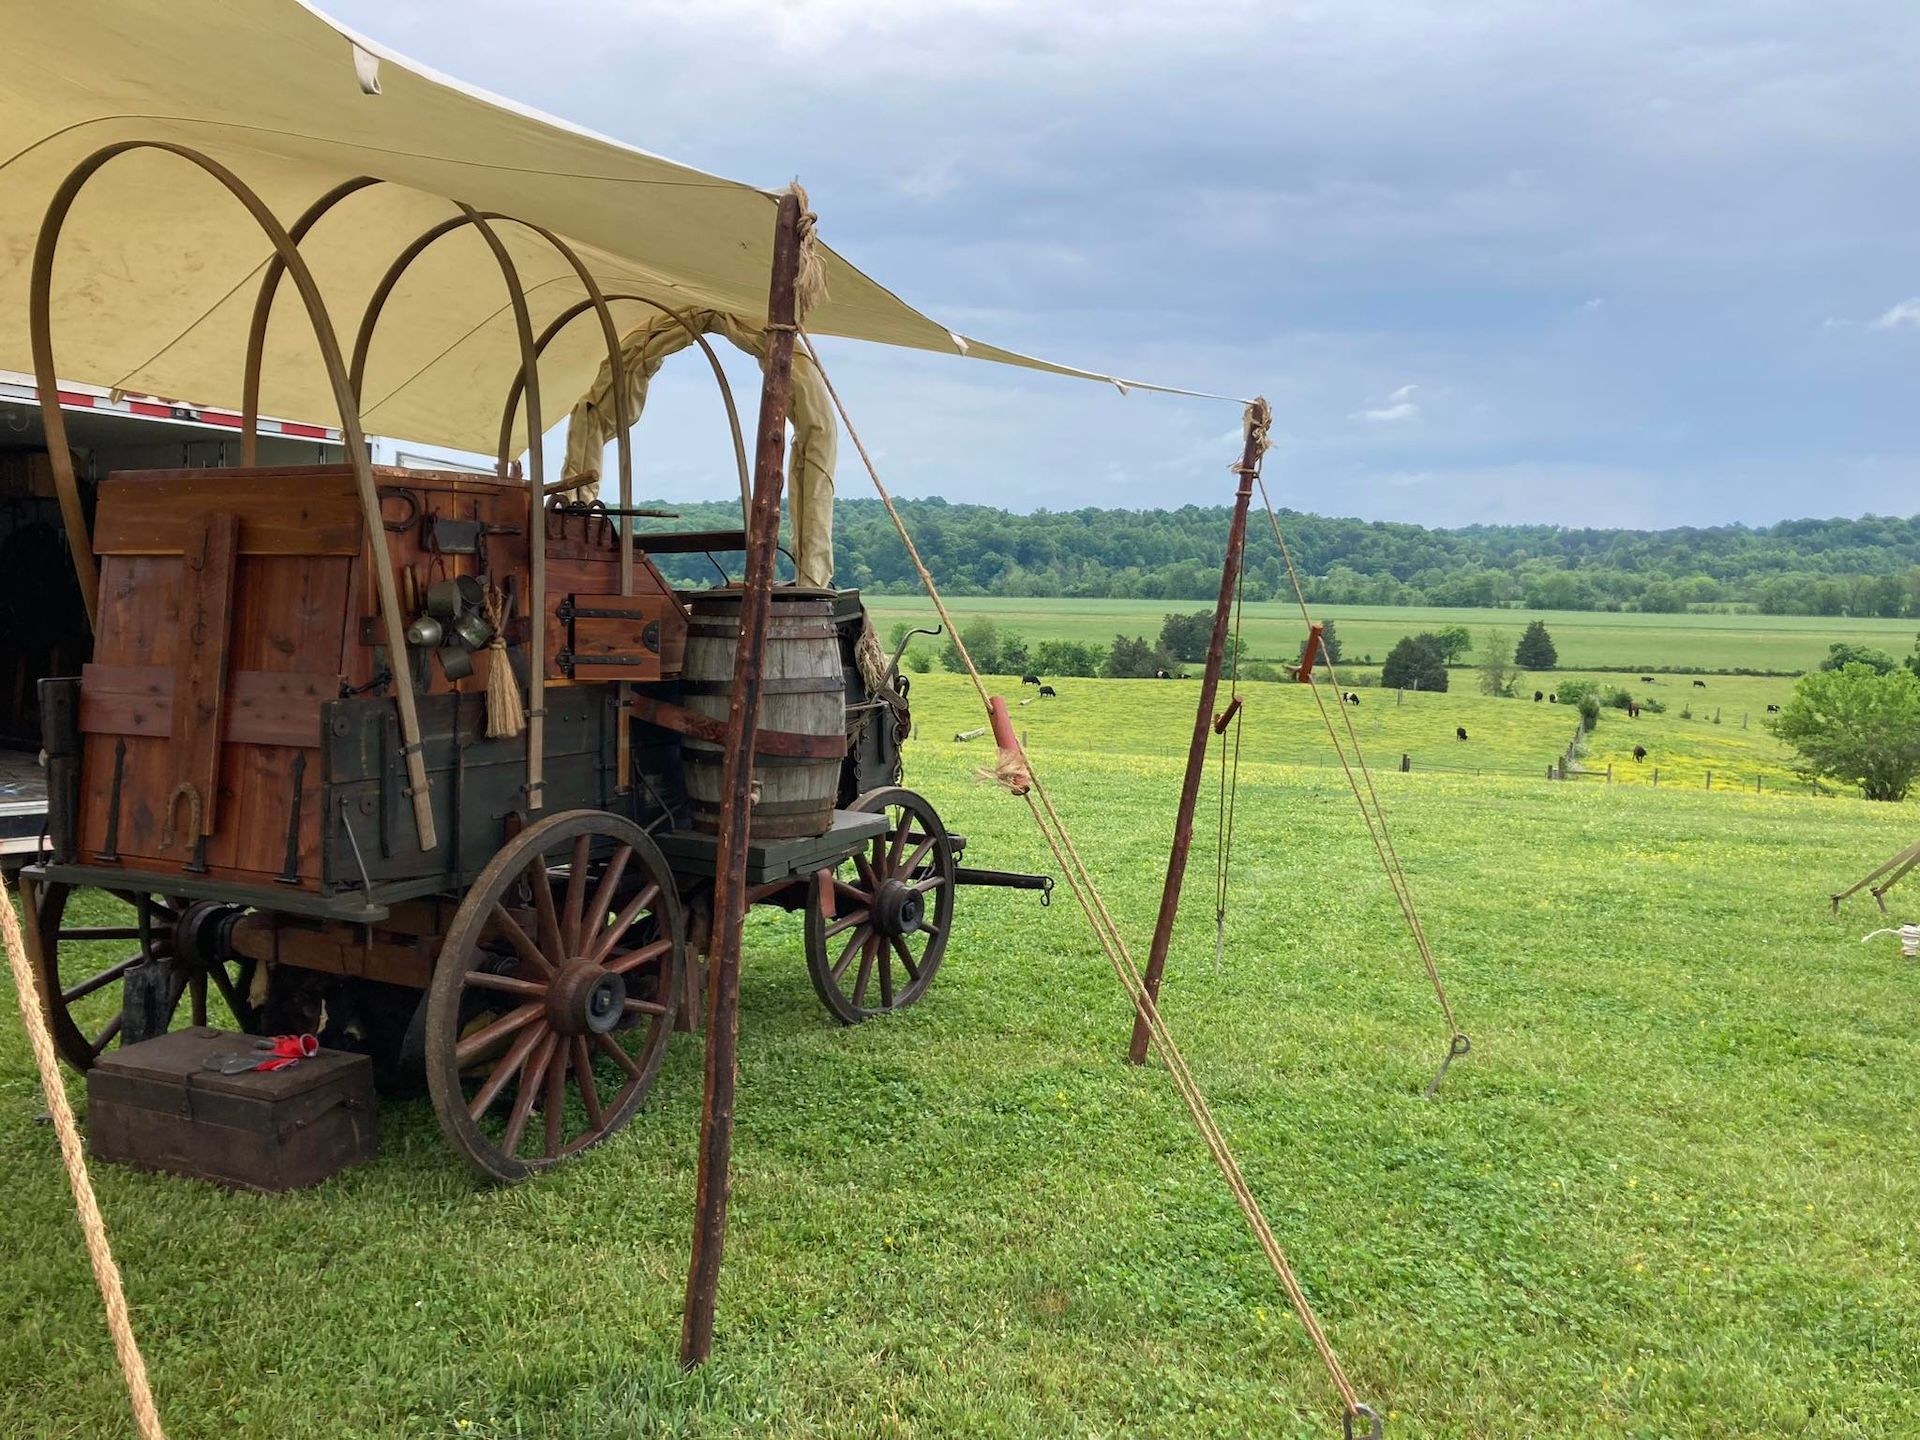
425,632
472,630
455,663
443,600
473,594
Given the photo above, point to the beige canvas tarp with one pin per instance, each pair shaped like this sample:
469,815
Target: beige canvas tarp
153,288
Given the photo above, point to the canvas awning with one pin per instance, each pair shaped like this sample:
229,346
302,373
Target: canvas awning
154,283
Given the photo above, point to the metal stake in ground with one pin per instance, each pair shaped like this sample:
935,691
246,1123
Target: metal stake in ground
730,855
1258,417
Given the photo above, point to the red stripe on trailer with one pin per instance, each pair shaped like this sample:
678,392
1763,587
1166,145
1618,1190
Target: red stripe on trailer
305,432
78,402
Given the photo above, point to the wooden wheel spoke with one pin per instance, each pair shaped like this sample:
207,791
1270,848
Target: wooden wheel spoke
105,1037
105,977
899,845
852,892
840,965
930,884
623,922
224,983
576,902
197,987
611,1048
867,951
532,1079
80,934
506,984
643,1007
634,959
886,976
848,922
476,1044
913,861
589,1092
509,1065
905,952
609,885
548,917
521,942
556,1109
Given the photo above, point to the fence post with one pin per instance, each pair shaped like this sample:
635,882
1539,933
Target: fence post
1609,772
1400,696
1656,777
1756,784
1744,714
1709,779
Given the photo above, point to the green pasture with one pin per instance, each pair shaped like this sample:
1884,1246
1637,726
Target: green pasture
1673,1191
1783,644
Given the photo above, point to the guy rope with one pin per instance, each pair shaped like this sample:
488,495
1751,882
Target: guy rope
1017,774
1368,800
92,1227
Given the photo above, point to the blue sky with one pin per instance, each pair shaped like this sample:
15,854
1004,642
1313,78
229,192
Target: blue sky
1582,261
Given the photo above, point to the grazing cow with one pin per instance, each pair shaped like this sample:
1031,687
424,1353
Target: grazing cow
1554,699
1646,680
1047,692
1538,696
1639,752
1161,675
1699,684
1633,709
1353,699
1029,679
1773,709
1460,731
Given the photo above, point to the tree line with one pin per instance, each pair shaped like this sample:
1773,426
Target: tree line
1866,567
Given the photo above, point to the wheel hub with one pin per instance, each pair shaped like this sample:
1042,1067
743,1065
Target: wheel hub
586,1000
898,909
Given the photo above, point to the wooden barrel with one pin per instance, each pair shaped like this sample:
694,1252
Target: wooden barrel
803,689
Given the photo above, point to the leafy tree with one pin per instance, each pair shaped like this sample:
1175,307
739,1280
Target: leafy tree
1535,650
1856,726
1133,659
1415,663
1068,657
1840,654
1329,644
1454,641
918,661
1185,637
1497,674
1014,657
982,639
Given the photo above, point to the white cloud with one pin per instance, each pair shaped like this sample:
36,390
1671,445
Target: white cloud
1400,406
1907,312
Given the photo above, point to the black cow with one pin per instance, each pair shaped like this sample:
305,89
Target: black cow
1161,675
1048,692
1639,752
1460,731
1773,709
1699,684
1353,699
1646,680
1029,679
1554,699
1538,696
1633,709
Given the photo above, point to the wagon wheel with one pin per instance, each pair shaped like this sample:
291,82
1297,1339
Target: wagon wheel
552,998
877,923
82,965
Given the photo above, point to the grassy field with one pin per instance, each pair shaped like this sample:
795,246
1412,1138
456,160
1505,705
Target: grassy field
1783,644
1674,1191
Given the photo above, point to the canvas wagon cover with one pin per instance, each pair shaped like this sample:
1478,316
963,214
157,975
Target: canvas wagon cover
155,279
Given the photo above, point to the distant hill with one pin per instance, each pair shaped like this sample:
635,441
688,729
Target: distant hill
1867,567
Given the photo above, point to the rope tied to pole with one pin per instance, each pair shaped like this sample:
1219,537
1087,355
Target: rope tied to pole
1371,811
1080,881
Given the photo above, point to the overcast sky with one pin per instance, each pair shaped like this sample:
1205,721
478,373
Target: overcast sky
1630,262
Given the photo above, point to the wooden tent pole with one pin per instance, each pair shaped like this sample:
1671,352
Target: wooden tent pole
1197,748
730,855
